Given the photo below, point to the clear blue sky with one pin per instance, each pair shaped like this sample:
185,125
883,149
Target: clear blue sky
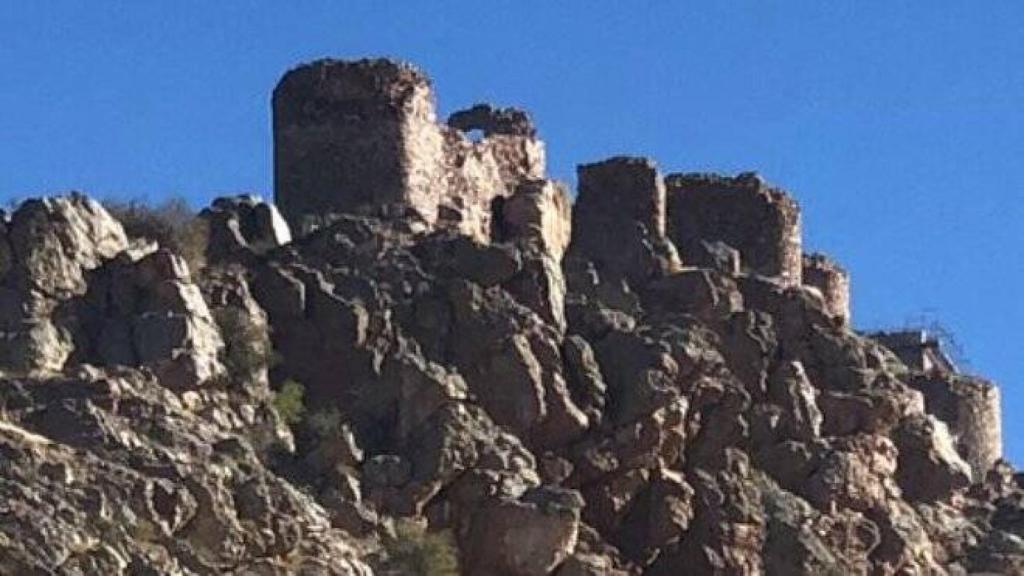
900,130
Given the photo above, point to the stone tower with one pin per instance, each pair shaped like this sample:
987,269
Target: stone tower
363,136
356,134
619,220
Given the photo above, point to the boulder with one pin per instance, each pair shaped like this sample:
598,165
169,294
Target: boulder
538,214
57,240
530,536
928,467
243,224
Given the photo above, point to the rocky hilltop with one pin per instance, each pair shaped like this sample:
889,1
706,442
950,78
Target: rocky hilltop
433,360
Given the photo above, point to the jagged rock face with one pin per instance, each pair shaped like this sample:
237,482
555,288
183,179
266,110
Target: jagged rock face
546,385
46,252
110,473
149,313
55,241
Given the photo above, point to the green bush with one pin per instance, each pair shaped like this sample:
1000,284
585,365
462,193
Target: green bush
416,552
325,422
288,401
172,224
247,346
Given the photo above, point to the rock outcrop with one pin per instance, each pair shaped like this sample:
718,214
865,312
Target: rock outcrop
651,380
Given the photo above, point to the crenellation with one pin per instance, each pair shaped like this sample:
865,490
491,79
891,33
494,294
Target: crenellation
761,222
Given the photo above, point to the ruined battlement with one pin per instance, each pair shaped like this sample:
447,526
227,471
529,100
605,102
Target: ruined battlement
969,405
619,219
363,135
829,278
761,222
490,121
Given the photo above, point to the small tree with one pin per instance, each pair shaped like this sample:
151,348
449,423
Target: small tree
288,401
247,345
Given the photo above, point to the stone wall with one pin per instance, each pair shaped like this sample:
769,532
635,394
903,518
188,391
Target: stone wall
823,273
350,134
970,406
762,223
363,135
619,219
918,349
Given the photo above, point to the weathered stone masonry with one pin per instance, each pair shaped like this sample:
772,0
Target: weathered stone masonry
354,134
821,272
363,136
761,222
969,405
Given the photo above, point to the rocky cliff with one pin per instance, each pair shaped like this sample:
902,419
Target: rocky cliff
436,355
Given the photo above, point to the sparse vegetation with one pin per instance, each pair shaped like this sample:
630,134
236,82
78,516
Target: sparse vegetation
325,422
172,224
417,552
247,346
288,401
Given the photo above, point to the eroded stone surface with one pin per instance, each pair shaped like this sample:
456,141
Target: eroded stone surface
761,222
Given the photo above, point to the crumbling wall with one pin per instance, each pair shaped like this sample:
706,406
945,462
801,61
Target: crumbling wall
763,223
970,406
479,170
539,213
832,281
363,135
353,134
618,221
918,349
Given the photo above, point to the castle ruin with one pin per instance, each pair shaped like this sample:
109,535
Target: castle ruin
363,136
969,405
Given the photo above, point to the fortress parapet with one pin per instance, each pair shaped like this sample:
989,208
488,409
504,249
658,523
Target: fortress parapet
761,222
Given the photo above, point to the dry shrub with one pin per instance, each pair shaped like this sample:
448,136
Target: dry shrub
417,552
172,224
